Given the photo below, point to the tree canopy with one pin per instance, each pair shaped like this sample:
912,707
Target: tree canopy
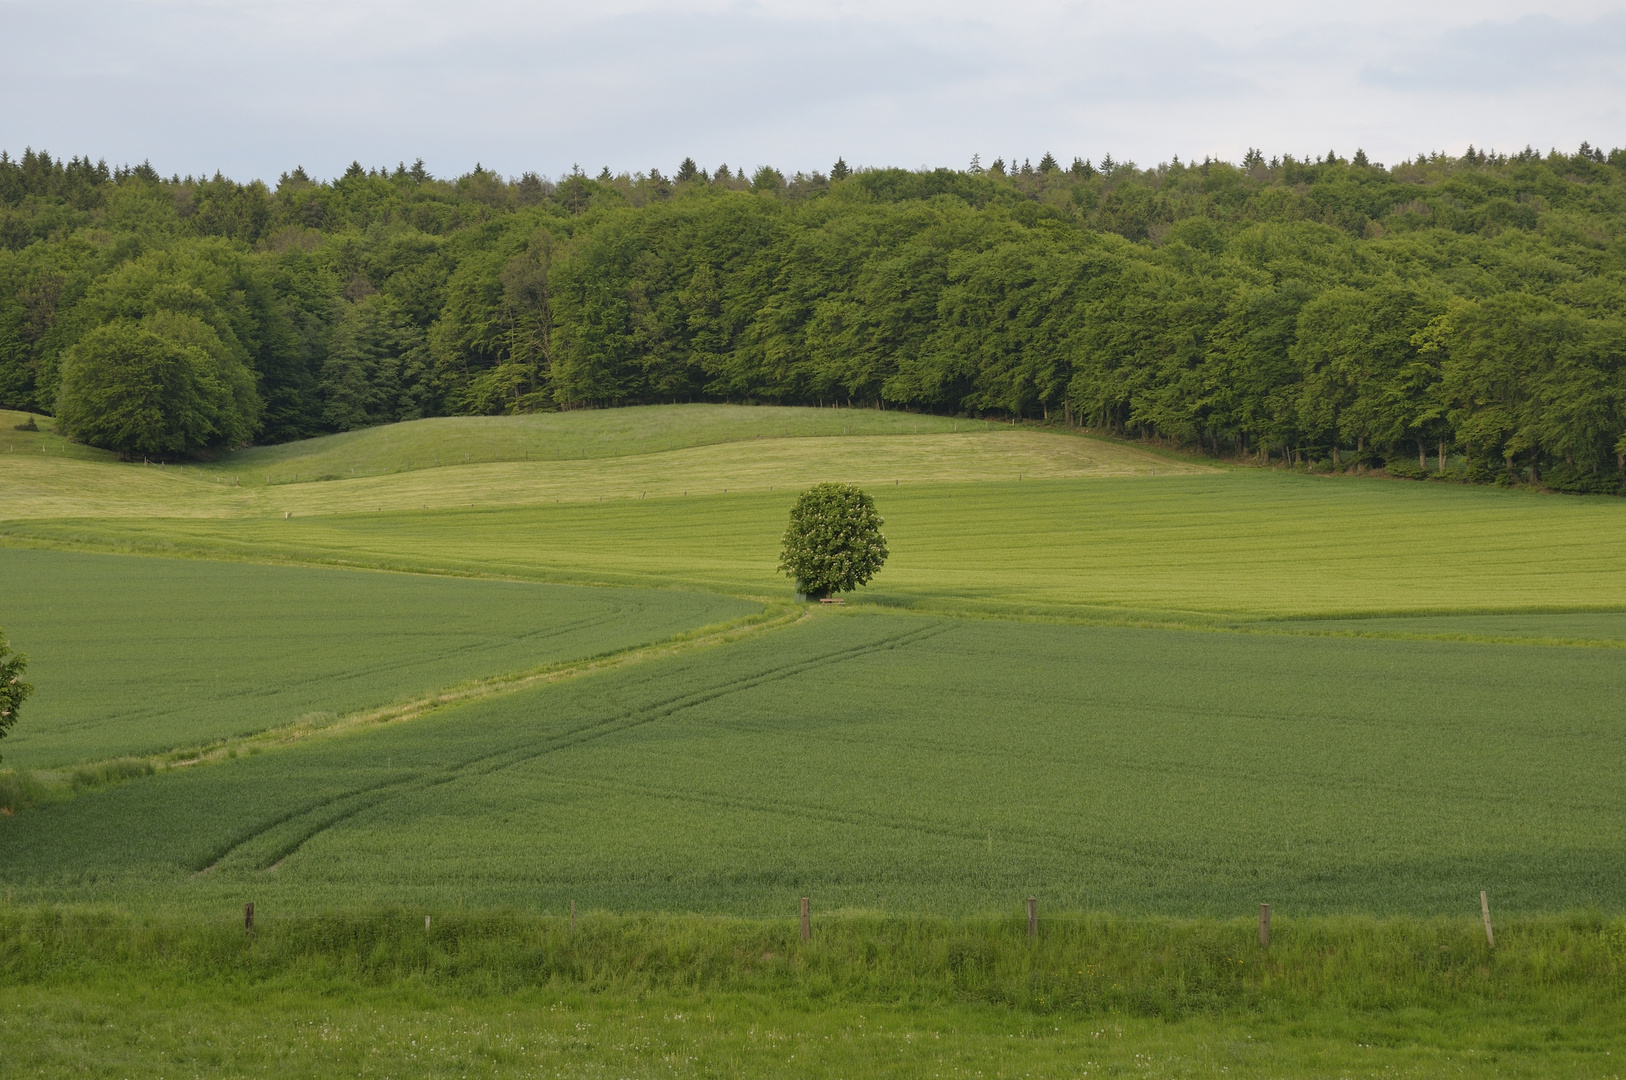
13,690
1297,309
834,543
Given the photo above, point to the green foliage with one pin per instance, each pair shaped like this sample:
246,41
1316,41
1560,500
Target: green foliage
13,691
834,542
1294,310
161,387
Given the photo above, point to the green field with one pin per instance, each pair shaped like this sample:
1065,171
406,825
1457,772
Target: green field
228,650
1247,544
916,765
599,433
1134,686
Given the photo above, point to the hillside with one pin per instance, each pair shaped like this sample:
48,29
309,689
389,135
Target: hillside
583,456
999,519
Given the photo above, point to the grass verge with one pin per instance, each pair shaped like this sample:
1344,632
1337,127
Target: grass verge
1079,963
382,994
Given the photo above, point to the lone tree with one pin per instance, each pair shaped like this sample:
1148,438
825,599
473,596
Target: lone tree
12,687
834,543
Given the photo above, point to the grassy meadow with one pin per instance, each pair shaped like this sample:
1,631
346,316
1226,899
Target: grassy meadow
599,433
1150,691
1239,544
378,994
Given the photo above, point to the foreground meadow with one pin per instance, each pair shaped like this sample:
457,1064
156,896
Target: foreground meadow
1151,693
379,994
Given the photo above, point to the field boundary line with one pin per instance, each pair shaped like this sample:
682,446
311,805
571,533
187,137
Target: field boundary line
382,565
1267,626
50,785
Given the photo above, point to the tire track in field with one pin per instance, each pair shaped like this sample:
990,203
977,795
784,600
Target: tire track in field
485,764
1030,837
247,836
660,710
379,667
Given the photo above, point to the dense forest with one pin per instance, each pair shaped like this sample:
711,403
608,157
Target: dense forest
1457,315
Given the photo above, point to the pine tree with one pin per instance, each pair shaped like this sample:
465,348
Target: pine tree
839,170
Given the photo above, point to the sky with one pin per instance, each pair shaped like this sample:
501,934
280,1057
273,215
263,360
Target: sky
253,89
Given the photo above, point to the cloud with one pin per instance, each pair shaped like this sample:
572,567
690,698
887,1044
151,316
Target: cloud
1488,58
253,89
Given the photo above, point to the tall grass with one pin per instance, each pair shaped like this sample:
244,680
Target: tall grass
21,788
1079,963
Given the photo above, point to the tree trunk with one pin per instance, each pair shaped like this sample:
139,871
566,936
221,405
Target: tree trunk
1422,456
1336,460
1442,456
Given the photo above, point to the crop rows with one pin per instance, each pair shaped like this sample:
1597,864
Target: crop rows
907,764
141,656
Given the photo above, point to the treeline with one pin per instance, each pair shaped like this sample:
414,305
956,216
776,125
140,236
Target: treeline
1457,313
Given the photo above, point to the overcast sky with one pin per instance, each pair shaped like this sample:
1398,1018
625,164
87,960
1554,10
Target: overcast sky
254,89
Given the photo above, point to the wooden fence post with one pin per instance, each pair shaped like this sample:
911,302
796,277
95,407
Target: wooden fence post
1033,916
807,919
248,917
1264,925
426,924
1484,909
